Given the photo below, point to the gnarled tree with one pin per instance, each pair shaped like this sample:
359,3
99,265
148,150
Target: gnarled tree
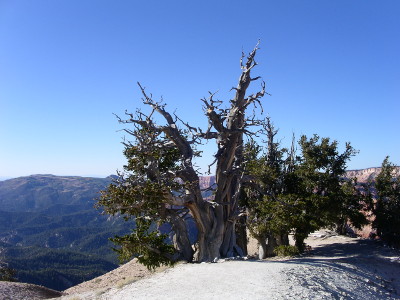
161,185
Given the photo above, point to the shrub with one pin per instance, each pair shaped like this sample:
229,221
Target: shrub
7,274
284,250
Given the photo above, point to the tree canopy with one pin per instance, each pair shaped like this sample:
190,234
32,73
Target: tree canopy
299,192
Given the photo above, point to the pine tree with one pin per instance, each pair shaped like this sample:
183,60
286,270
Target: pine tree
387,209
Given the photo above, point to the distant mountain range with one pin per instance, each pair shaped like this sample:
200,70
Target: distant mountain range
36,193
363,175
50,232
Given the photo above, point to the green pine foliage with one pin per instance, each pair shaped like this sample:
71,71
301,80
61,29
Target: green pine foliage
147,245
141,193
286,250
387,209
7,273
300,193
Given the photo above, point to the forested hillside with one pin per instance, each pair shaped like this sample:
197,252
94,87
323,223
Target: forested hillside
49,193
51,234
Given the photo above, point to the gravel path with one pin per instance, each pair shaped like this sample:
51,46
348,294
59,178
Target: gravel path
337,268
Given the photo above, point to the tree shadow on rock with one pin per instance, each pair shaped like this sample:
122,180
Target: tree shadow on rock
360,269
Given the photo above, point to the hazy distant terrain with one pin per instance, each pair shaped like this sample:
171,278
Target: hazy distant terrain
51,233
364,175
37,193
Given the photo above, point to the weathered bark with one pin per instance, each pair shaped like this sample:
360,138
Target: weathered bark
283,239
216,221
230,156
271,245
341,227
262,247
268,244
241,234
209,222
181,239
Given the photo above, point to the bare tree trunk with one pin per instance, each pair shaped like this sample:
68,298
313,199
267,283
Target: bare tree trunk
181,239
271,245
208,247
283,239
210,224
241,234
262,247
341,227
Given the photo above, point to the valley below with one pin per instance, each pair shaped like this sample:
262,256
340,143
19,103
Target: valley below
50,232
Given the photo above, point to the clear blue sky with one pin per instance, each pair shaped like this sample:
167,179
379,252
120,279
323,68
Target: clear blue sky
332,67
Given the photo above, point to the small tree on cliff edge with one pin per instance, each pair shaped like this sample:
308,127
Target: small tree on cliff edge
387,209
160,184
298,193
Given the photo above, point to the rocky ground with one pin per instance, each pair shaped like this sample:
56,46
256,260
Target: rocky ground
337,267
25,291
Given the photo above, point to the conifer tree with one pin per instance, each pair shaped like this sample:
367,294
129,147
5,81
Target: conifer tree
387,209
